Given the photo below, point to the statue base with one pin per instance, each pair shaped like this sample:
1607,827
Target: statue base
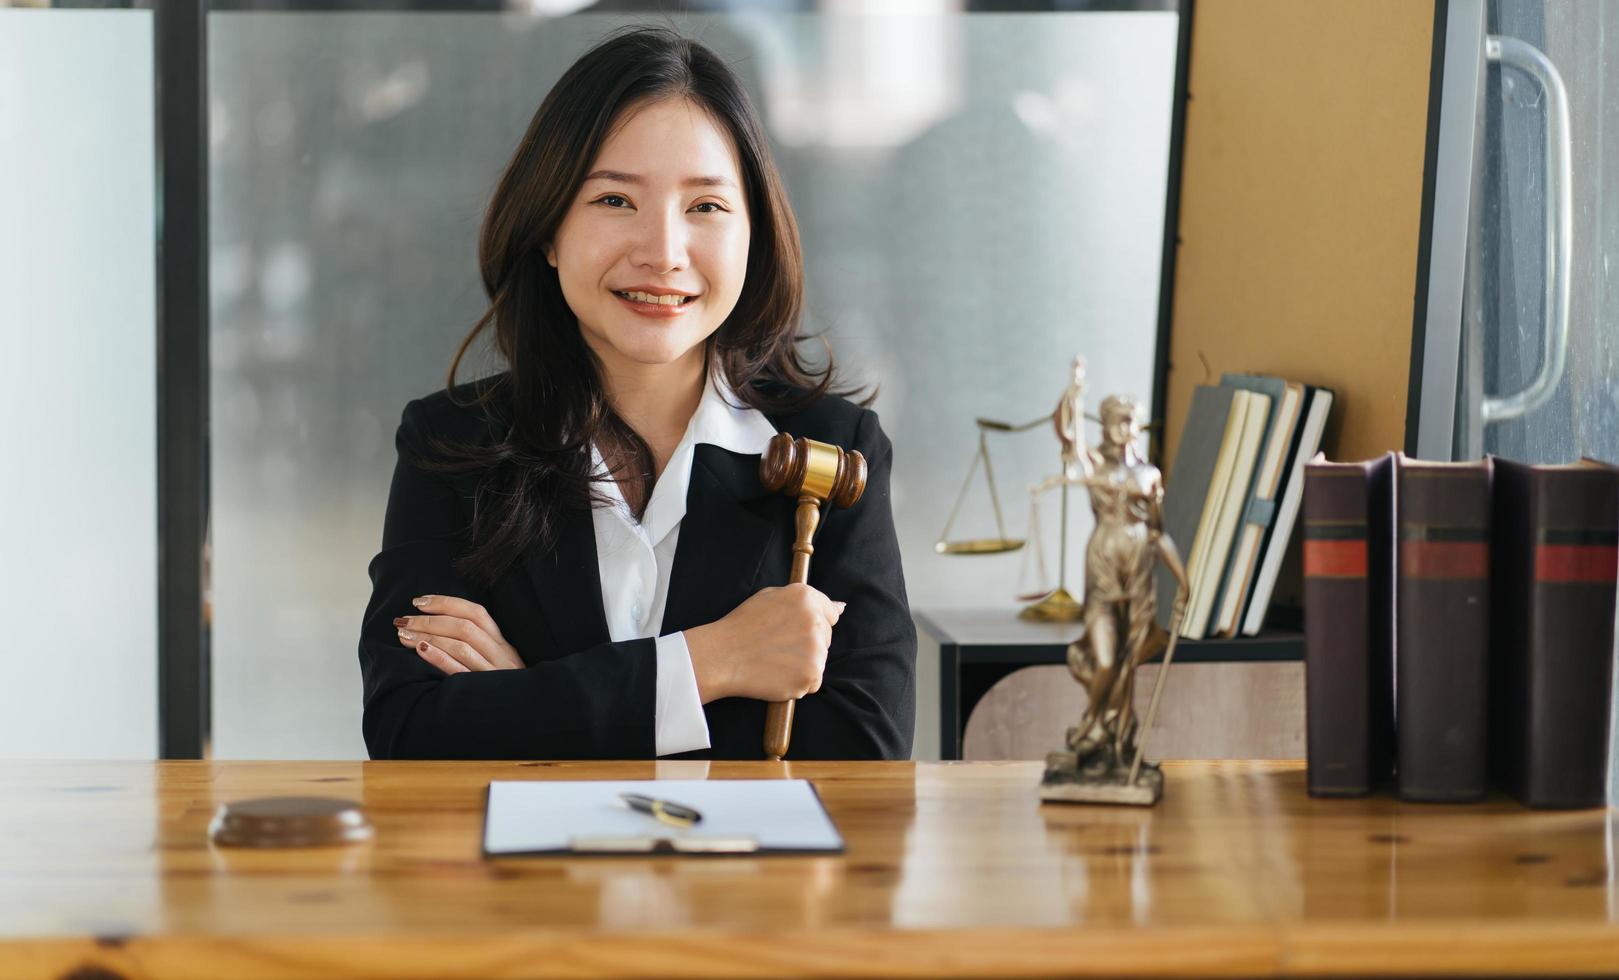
1058,607
1064,782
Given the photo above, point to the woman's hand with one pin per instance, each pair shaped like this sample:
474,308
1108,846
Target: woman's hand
455,635
772,647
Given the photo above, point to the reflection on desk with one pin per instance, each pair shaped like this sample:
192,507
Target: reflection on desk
950,868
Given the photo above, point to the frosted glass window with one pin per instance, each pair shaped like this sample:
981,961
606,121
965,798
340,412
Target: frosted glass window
981,197
78,318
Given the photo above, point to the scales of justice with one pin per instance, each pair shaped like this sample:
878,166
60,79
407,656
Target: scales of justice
1101,761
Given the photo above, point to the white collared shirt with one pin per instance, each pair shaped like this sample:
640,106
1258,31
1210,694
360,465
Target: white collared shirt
634,558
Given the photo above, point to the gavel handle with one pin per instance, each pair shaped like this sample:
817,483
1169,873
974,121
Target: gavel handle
779,714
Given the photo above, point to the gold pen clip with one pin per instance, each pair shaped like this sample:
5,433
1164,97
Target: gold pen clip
666,811
661,810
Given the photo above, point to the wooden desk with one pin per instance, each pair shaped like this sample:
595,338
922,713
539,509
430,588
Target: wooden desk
951,868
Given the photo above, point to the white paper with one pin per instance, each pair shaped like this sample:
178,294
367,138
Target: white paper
526,816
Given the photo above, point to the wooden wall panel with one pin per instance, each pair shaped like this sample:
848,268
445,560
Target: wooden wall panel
1301,205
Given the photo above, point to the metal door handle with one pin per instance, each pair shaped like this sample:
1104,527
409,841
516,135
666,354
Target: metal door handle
1511,52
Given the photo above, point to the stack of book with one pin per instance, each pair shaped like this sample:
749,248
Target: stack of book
1459,628
1233,496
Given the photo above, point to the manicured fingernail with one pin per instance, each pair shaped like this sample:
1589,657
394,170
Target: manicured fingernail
401,620
421,647
421,601
406,635
842,606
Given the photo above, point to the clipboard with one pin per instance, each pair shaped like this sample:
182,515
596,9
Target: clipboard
587,817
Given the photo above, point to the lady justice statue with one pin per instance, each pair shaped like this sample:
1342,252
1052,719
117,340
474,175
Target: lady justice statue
1119,632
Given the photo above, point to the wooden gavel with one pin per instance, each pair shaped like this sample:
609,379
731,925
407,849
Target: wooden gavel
813,472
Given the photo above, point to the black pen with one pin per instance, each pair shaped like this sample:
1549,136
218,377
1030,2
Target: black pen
665,810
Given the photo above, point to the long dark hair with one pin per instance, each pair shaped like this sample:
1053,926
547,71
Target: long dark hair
552,405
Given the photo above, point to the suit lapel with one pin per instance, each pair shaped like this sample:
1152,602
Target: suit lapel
569,584
724,539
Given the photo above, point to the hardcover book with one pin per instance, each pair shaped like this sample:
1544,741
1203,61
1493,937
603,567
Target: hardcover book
1259,511
1349,624
1227,496
1555,556
1443,630
1318,405
1186,491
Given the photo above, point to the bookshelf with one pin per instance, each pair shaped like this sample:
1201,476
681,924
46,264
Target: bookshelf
977,647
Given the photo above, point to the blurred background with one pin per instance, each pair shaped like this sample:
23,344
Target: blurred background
981,196
236,237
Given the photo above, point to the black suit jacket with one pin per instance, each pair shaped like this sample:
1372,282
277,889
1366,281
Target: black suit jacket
581,695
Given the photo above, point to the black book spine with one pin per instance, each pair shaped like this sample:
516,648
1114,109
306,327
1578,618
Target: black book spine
1556,566
1569,671
1348,620
1442,666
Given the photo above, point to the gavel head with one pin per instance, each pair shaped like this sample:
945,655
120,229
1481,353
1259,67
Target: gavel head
806,468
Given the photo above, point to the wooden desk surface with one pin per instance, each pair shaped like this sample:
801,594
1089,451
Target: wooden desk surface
951,868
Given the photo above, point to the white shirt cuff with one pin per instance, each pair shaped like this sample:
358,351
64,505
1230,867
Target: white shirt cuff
679,724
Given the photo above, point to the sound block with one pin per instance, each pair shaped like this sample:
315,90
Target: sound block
289,821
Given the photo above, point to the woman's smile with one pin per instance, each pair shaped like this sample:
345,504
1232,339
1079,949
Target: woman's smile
659,304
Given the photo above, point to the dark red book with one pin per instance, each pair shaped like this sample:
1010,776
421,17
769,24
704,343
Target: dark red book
1442,617
1349,624
1555,555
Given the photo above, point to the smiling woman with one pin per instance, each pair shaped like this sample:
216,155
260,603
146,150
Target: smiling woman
577,554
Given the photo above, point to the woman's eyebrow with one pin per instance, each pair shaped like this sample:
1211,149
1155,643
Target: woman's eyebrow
621,177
